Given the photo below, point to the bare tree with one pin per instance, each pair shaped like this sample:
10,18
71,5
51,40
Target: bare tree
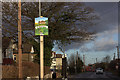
106,59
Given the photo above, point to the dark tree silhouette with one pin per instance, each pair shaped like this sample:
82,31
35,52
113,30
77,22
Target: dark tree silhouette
68,22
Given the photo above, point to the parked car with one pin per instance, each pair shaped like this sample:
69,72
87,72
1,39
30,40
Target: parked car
99,71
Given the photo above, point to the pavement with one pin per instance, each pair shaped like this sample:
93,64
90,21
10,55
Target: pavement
93,76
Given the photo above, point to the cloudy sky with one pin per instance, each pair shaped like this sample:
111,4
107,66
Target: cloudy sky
107,34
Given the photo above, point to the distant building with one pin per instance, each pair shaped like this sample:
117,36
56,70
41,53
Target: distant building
10,51
90,67
41,22
56,61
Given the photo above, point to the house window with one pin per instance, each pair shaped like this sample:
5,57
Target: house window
14,58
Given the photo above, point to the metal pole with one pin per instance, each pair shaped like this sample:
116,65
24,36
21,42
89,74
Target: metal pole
39,8
41,57
20,39
41,49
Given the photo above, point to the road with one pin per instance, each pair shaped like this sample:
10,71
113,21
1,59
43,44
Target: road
93,76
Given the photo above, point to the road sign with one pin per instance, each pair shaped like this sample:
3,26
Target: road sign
41,26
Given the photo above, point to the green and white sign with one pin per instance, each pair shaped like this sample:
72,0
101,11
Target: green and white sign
41,26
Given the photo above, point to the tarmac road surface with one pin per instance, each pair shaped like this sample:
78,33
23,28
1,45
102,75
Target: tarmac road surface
93,76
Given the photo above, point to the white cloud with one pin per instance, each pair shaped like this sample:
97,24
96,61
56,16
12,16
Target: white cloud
106,41
104,44
108,32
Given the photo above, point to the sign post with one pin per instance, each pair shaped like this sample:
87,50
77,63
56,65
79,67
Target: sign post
41,28
41,57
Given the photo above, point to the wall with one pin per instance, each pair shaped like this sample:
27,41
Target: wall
29,69
25,57
59,63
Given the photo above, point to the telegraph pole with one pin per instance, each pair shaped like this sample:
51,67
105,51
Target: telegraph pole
64,63
118,65
114,57
96,60
77,56
118,52
76,60
20,39
84,62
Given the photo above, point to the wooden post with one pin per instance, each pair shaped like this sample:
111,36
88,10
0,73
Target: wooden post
41,57
118,53
77,56
96,60
19,39
84,62
114,57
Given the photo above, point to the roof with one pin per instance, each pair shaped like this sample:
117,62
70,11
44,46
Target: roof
5,43
26,48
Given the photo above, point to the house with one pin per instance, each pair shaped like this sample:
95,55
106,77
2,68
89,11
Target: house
6,44
27,53
41,22
10,50
7,52
56,61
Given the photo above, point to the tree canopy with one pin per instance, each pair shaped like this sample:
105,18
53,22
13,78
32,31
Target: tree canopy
68,22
